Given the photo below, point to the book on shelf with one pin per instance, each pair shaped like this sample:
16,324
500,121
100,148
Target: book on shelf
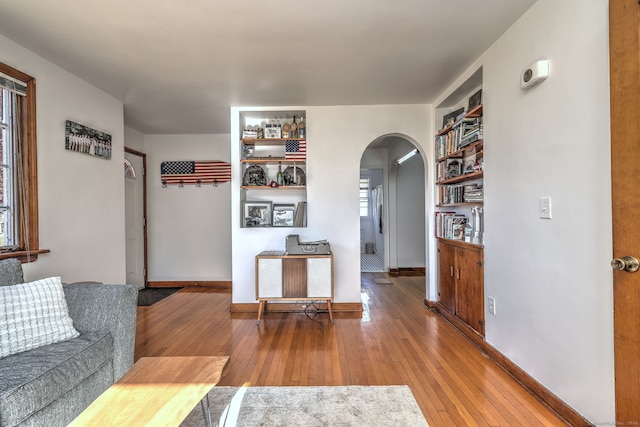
473,193
457,227
472,134
300,215
439,223
453,168
462,133
450,225
450,194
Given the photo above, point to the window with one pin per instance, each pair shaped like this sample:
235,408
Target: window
364,196
18,179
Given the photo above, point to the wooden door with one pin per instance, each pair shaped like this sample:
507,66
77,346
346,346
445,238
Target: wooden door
470,287
446,279
624,20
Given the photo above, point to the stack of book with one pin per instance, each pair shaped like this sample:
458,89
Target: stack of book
473,193
450,225
472,133
451,141
450,194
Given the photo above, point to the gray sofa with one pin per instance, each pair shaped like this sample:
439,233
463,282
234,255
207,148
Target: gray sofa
51,385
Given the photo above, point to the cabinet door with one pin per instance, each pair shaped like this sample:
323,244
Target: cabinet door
269,278
470,287
319,278
446,279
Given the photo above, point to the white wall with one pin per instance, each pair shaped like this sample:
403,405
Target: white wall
336,138
80,197
189,228
410,213
134,139
551,278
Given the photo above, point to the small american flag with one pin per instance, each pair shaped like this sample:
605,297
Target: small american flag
190,172
295,150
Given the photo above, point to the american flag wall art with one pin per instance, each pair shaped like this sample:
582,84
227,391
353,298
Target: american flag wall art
295,150
194,172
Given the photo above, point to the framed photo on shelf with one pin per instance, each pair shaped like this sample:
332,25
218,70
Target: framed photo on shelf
283,215
256,214
475,100
450,118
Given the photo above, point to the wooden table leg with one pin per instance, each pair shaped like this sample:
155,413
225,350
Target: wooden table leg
330,311
260,309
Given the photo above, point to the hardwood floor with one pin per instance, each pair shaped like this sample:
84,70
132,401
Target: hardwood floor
398,341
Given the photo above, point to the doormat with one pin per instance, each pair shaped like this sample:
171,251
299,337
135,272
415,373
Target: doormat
150,296
383,282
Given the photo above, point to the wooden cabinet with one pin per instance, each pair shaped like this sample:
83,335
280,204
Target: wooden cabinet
461,281
294,278
446,276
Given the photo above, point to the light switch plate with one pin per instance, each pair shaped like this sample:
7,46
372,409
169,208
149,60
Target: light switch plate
492,305
544,207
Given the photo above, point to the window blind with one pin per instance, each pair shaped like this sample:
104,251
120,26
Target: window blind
13,85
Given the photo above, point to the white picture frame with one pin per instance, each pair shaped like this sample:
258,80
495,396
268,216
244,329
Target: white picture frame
283,215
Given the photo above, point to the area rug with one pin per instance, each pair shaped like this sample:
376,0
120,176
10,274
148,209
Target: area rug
150,296
311,407
383,282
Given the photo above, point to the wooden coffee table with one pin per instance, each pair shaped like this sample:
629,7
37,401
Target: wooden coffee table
155,391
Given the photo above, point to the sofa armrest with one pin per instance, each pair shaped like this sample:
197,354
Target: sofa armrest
113,308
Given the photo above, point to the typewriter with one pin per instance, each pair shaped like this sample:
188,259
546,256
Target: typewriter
296,247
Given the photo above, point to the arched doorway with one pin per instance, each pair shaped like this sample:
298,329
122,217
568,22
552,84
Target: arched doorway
392,225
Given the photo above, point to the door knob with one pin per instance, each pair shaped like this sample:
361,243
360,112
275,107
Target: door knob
626,263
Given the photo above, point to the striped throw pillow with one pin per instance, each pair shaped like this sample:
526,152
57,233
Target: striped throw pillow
33,315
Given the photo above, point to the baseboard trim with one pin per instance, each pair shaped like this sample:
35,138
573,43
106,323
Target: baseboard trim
192,283
467,330
407,271
354,308
543,394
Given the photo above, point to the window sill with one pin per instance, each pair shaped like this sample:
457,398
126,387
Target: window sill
24,256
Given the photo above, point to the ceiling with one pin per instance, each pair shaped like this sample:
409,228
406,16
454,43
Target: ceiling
179,65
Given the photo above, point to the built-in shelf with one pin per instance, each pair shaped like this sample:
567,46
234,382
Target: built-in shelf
473,148
272,160
267,187
269,141
476,112
453,205
460,243
462,178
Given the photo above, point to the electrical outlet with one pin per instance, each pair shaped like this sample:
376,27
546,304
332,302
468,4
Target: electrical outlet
492,305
